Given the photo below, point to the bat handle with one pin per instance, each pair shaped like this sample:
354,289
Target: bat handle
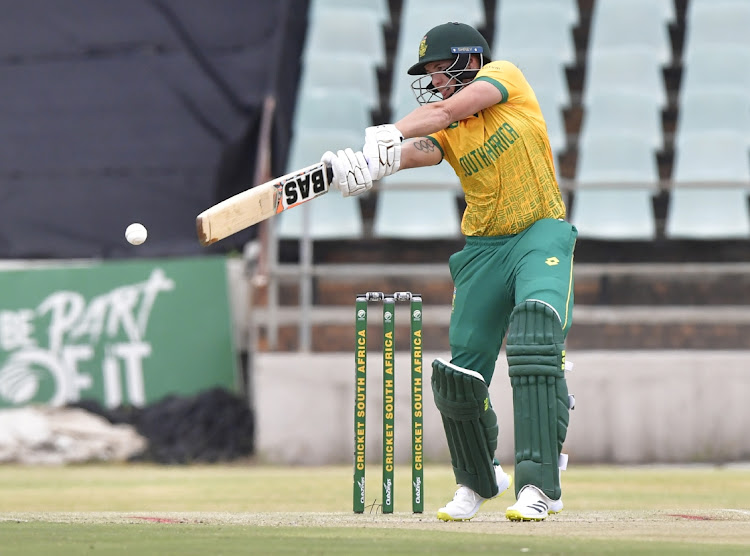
329,173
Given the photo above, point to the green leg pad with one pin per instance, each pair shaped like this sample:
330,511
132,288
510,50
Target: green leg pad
536,364
470,425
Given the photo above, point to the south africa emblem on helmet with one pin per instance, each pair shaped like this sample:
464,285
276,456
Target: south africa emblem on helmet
423,47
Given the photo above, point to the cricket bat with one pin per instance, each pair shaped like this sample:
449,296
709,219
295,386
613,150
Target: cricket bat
262,202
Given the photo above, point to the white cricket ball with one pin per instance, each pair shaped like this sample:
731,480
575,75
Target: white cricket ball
136,233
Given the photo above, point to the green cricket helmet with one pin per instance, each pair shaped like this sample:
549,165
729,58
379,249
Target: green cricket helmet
449,41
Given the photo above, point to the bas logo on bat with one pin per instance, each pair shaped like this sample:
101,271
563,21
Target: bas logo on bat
262,201
303,188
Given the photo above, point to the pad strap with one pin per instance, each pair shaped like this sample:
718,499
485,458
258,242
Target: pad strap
470,424
536,364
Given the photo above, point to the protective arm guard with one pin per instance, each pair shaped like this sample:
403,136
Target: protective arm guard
536,364
470,424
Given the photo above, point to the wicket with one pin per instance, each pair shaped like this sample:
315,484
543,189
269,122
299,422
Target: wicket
360,403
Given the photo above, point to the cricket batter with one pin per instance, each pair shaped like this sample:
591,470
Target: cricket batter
514,275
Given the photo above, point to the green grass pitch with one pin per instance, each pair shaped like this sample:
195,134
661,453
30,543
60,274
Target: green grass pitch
256,509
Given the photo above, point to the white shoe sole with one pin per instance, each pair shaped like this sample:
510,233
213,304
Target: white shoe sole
445,516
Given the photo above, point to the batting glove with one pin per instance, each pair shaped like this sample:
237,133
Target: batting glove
383,150
350,173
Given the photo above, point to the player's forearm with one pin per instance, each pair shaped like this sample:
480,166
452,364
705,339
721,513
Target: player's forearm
422,121
419,152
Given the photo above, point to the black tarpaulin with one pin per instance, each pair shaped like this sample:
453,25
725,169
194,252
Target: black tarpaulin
120,111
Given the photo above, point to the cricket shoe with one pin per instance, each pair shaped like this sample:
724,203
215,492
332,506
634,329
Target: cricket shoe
466,502
533,505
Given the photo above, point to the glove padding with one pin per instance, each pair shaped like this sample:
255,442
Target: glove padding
351,175
383,150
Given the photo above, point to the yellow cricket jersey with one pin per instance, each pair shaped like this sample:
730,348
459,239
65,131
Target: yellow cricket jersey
503,159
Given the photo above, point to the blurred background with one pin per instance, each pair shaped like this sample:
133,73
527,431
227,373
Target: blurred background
152,110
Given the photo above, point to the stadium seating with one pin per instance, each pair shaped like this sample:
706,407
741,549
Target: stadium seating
705,155
440,176
419,203
309,144
340,72
330,217
553,117
708,110
662,10
568,8
351,31
404,102
693,4
409,214
609,214
708,213
716,67
468,11
717,23
623,111
379,8
632,70
639,24
616,179
534,27
616,158
710,185
545,73
327,108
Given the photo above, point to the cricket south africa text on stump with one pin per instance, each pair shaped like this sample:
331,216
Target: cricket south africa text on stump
389,398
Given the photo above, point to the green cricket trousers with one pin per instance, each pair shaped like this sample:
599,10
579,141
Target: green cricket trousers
491,275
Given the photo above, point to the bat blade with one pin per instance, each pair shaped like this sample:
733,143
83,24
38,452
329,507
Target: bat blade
261,202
